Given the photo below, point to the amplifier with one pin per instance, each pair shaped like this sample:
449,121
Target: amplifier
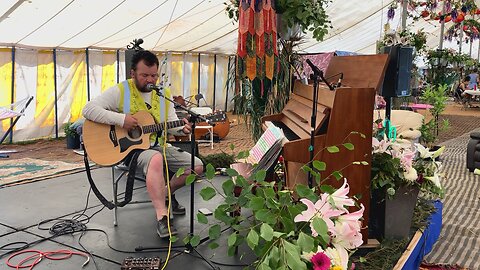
131,263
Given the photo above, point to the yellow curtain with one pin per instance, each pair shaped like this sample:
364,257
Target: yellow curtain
176,79
79,87
5,82
45,94
109,70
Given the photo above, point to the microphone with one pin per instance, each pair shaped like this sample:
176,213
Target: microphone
315,69
152,87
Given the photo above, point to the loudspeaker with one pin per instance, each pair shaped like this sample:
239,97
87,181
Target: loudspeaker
399,70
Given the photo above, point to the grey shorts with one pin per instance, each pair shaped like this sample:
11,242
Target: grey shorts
176,158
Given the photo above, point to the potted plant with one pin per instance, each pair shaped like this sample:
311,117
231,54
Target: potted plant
398,175
73,138
436,96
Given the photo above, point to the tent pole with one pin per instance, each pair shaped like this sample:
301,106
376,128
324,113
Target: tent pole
88,73
442,27
228,84
198,73
118,66
214,80
12,98
55,87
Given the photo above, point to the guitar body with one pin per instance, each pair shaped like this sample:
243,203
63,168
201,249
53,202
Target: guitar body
107,145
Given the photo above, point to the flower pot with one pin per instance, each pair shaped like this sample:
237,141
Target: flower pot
73,142
392,218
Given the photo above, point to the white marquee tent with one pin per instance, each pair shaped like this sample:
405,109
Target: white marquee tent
195,38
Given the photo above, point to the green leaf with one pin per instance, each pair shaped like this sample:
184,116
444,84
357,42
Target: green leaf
228,187
305,192
321,228
264,266
260,175
292,256
338,175
207,193
349,146
202,218
173,239
333,149
364,163
210,171
214,232
231,172
232,146
265,215
266,232
213,245
305,242
327,189
232,239
252,239
195,241
319,165
256,203
274,255
180,172
190,179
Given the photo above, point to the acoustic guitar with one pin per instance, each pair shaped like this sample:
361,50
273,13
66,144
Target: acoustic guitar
107,145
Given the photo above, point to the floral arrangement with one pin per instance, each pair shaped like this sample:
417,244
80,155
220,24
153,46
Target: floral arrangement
394,166
305,228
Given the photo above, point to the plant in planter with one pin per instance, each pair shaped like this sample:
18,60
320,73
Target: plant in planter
303,228
398,175
436,96
73,138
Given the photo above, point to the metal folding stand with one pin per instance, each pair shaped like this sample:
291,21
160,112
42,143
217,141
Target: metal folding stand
189,249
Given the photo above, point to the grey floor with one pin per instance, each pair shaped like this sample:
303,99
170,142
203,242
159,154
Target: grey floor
23,207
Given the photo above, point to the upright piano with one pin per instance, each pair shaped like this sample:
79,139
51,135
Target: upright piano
342,116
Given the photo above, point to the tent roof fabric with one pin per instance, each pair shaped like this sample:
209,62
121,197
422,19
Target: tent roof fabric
181,26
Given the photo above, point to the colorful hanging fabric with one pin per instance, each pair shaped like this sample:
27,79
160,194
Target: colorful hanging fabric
257,43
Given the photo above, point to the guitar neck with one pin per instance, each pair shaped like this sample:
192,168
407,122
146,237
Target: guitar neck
159,127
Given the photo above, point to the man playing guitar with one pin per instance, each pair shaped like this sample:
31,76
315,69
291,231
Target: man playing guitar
117,105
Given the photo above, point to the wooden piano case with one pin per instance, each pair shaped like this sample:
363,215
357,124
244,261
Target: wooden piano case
342,115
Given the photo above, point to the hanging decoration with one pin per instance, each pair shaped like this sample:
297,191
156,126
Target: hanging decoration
257,46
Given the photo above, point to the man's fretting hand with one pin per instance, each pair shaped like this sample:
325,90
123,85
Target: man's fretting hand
129,122
187,129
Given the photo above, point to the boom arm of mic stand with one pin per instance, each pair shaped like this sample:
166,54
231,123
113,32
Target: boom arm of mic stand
176,104
320,75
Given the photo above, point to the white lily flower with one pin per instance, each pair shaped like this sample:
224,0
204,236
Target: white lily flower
423,151
435,179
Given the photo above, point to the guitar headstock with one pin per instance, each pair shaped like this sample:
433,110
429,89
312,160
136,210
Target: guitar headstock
217,116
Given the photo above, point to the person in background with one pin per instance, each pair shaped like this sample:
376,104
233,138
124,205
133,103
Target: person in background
473,79
460,94
118,104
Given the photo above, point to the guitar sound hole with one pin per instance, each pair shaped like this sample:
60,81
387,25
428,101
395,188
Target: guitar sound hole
135,132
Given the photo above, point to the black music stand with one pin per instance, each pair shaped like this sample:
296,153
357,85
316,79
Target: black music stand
194,117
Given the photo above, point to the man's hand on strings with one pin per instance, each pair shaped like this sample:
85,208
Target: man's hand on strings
130,122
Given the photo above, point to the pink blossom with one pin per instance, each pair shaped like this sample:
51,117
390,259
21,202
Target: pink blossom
320,261
321,209
340,198
380,146
407,159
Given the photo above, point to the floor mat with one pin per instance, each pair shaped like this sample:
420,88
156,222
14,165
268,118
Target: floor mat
15,171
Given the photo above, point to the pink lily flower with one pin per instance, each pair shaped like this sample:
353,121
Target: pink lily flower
321,209
340,198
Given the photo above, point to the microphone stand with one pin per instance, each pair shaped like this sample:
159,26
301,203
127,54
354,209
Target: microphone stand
315,77
194,117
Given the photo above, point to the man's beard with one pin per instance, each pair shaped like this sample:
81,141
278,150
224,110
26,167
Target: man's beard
143,89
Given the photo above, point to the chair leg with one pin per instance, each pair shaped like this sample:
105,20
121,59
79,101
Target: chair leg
115,194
